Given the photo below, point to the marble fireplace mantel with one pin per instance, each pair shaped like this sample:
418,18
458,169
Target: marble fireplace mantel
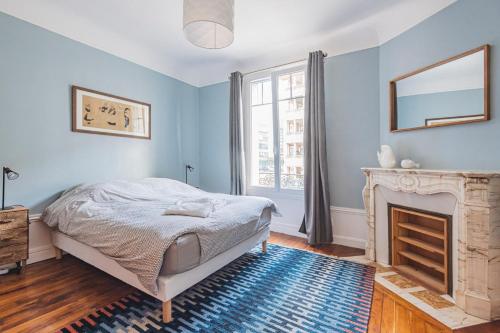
478,223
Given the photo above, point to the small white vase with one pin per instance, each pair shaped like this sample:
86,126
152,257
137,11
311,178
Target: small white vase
409,164
386,157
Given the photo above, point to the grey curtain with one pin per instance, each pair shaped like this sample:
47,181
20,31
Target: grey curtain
236,152
317,221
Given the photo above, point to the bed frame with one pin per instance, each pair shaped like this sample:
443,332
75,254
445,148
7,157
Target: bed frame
170,285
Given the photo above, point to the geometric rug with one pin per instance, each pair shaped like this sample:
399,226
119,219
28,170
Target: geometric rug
285,290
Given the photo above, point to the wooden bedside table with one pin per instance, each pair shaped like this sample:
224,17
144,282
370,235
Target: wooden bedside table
14,236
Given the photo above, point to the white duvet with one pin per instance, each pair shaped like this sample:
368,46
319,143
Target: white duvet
126,221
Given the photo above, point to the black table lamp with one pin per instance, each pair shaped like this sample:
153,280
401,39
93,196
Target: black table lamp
190,168
11,175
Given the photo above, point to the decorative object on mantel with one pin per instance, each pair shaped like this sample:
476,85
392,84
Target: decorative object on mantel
189,168
473,200
386,157
209,23
11,175
409,164
100,113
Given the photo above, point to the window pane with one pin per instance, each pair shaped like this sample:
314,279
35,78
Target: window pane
298,87
256,93
284,106
291,118
267,92
297,104
262,159
284,87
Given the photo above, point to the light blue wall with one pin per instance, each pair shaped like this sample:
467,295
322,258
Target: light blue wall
214,138
351,84
464,25
37,69
415,109
352,99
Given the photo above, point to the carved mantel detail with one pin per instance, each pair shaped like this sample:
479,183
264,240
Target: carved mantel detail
478,221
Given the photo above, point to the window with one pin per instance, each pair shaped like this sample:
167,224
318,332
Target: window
262,133
274,126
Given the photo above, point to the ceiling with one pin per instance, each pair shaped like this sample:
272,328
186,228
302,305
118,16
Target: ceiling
267,32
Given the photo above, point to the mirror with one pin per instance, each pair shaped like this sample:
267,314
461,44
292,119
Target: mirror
451,92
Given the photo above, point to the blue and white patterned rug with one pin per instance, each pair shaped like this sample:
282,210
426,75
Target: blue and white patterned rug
285,290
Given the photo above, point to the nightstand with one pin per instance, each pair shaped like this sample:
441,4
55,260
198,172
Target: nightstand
14,236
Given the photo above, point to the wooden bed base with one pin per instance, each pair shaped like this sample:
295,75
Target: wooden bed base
166,294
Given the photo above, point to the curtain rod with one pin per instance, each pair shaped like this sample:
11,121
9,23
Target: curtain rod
282,65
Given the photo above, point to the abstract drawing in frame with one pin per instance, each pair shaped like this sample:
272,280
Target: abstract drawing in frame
100,113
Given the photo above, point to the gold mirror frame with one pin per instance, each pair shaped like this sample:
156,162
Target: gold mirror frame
393,122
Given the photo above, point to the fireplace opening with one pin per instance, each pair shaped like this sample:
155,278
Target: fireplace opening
420,246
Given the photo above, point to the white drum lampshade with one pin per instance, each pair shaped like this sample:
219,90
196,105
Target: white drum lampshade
209,23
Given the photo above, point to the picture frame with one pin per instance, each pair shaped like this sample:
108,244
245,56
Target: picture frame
434,122
101,113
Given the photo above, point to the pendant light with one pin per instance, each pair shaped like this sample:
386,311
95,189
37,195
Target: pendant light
209,23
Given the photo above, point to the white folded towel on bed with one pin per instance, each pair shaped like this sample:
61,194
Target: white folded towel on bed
192,207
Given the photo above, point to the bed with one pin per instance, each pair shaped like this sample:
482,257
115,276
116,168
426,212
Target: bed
121,228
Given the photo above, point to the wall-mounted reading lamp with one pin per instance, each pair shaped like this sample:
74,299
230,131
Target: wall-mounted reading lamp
11,175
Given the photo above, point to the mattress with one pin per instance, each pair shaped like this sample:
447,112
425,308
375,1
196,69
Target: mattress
184,253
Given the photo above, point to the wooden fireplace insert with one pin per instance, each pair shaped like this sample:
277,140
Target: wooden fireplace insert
420,246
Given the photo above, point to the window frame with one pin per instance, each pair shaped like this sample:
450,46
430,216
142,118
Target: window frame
247,129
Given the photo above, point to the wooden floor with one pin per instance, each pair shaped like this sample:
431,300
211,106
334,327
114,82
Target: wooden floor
301,243
392,314
53,293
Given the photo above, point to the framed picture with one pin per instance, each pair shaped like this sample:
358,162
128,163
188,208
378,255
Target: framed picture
100,113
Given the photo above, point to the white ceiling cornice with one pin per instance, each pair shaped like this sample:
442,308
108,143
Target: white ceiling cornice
152,36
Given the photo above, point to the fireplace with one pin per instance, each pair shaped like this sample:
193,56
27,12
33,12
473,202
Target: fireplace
420,246
472,199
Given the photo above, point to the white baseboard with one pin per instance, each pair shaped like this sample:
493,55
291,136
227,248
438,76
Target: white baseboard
358,243
41,253
349,226
288,229
35,217
348,211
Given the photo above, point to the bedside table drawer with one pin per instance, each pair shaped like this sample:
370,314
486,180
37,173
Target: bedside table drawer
13,253
14,235
13,220
17,236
